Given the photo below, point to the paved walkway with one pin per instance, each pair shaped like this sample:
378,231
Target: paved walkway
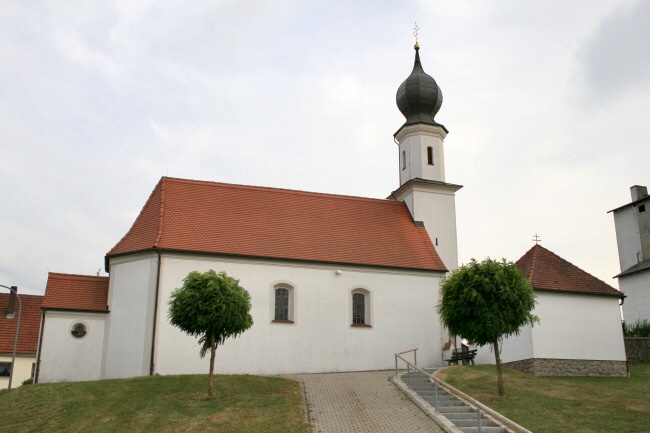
361,403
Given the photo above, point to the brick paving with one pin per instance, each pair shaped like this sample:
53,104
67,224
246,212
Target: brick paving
359,403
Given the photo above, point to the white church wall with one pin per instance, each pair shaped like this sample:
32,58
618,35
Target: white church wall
131,299
514,348
576,326
322,339
637,289
68,358
627,237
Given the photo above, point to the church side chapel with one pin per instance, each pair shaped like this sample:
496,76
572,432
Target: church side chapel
580,331
337,283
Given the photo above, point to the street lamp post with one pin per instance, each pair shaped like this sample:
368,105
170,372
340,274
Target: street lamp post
14,289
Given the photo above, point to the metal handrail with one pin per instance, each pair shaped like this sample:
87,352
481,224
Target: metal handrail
408,363
481,408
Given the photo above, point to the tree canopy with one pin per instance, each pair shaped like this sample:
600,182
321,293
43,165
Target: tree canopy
485,302
213,307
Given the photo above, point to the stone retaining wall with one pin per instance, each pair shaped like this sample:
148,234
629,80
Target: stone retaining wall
637,349
569,367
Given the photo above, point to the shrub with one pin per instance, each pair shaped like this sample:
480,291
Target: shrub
640,328
28,381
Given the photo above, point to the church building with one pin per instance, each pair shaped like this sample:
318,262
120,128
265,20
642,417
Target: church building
337,283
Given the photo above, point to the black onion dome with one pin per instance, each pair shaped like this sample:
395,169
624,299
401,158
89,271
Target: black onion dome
419,98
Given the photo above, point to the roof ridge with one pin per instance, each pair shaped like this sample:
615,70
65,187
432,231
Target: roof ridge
23,295
76,275
133,225
280,190
161,212
533,262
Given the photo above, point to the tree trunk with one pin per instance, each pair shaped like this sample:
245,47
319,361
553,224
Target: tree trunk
499,374
213,351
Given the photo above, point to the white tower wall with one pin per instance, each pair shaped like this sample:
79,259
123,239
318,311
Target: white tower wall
414,141
423,188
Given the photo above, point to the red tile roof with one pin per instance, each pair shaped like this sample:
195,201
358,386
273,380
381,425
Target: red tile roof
547,271
76,292
30,324
218,218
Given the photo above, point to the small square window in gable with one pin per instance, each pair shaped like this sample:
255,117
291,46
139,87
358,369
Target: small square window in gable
642,208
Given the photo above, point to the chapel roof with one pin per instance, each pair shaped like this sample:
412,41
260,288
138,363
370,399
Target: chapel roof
76,292
218,218
30,322
547,271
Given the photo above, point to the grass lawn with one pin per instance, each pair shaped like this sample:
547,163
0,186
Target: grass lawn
156,404
561,404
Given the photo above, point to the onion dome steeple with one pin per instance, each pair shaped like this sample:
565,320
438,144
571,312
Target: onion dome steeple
419,98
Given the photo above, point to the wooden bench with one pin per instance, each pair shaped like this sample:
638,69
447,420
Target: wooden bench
466,356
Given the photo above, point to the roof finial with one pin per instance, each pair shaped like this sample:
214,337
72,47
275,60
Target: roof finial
416,30
537,239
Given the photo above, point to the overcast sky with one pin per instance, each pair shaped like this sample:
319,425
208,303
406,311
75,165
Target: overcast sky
547,104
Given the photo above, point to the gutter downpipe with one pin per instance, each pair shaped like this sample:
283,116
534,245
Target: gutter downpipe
155,315
38,349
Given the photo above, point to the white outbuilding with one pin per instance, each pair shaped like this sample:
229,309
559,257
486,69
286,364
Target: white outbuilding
632,223
580,331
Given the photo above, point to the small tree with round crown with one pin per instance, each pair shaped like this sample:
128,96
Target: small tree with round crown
213,307
485,302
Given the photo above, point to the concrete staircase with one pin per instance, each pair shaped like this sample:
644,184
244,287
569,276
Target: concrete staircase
460,414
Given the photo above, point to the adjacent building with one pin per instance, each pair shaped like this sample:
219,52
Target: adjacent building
29,310
632,223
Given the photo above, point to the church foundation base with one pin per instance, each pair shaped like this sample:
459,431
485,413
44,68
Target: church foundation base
569,367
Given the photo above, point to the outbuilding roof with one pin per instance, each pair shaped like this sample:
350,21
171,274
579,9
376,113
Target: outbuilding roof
218,218
547,271
30,323
76,292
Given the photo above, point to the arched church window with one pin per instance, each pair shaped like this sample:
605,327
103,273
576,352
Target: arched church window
281,304
403,159
430,155
283,308
360,307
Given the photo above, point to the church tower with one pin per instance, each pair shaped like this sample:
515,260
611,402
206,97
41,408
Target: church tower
422,162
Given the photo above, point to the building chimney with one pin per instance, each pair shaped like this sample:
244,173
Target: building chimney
11,308
638,192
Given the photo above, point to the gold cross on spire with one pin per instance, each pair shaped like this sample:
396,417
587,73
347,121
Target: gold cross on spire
416,31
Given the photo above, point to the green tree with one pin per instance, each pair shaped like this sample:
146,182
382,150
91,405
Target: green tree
485,302
213,307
